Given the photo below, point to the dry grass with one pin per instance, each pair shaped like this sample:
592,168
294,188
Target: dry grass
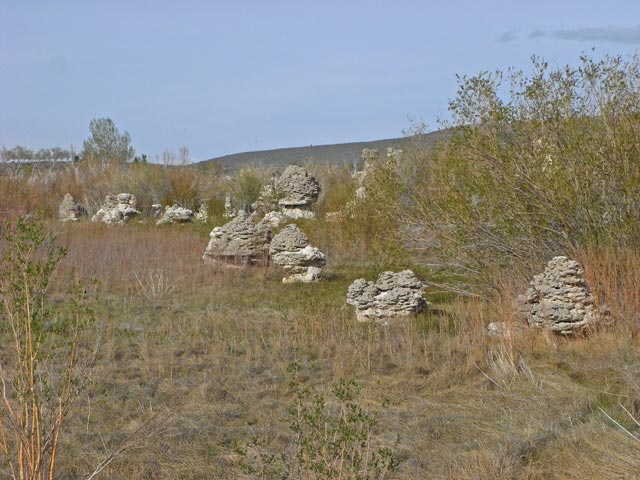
213,347
209,349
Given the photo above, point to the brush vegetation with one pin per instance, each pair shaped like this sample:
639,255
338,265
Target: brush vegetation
193,372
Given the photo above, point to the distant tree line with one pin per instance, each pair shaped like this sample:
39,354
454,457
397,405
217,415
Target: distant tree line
25,154
105,144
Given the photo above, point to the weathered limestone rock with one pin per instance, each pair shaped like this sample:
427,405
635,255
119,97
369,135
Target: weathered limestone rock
505,329
239,242
274,219
290,250
70,211
156,208
268,198
176,214
117,209
393,295
229,210
362,168
559,299
297,213
202,214
298,187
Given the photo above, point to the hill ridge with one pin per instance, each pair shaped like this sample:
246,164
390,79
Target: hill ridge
337,153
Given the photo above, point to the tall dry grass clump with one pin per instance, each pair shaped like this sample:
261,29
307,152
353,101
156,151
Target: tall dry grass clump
614,276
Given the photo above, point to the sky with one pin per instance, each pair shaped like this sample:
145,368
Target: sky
223,77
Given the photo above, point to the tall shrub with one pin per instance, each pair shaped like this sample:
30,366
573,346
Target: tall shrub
540,164
40,369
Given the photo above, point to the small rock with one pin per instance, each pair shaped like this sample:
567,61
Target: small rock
70,211
274,219
176,214
156,208
229,210
202,215
504,329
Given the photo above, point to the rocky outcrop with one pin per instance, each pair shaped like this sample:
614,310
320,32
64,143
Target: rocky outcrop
70,211
176,214
290,251
392,295
117,209
559,299
239,242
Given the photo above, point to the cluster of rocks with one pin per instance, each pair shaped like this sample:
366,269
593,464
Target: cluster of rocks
292,194
393,295
120,208
290,250
559,299
117,209
179,214
70,211
242,242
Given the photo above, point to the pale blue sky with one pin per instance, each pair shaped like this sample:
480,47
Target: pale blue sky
227,76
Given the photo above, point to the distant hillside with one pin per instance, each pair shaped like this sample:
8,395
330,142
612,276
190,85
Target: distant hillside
341,153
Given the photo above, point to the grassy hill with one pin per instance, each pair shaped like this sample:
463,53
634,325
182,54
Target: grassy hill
341,153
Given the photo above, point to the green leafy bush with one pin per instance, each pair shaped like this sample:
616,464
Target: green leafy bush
540,164
333,439
41,366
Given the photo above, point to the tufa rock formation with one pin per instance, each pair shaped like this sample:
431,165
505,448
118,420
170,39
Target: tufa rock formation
176,214
70,211
559,299
504,329
156,209
229,210
290,250
274,219
117,209
298,187
239,242
393,295
202,215
293,193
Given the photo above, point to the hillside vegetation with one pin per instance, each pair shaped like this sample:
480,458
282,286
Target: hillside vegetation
187,371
